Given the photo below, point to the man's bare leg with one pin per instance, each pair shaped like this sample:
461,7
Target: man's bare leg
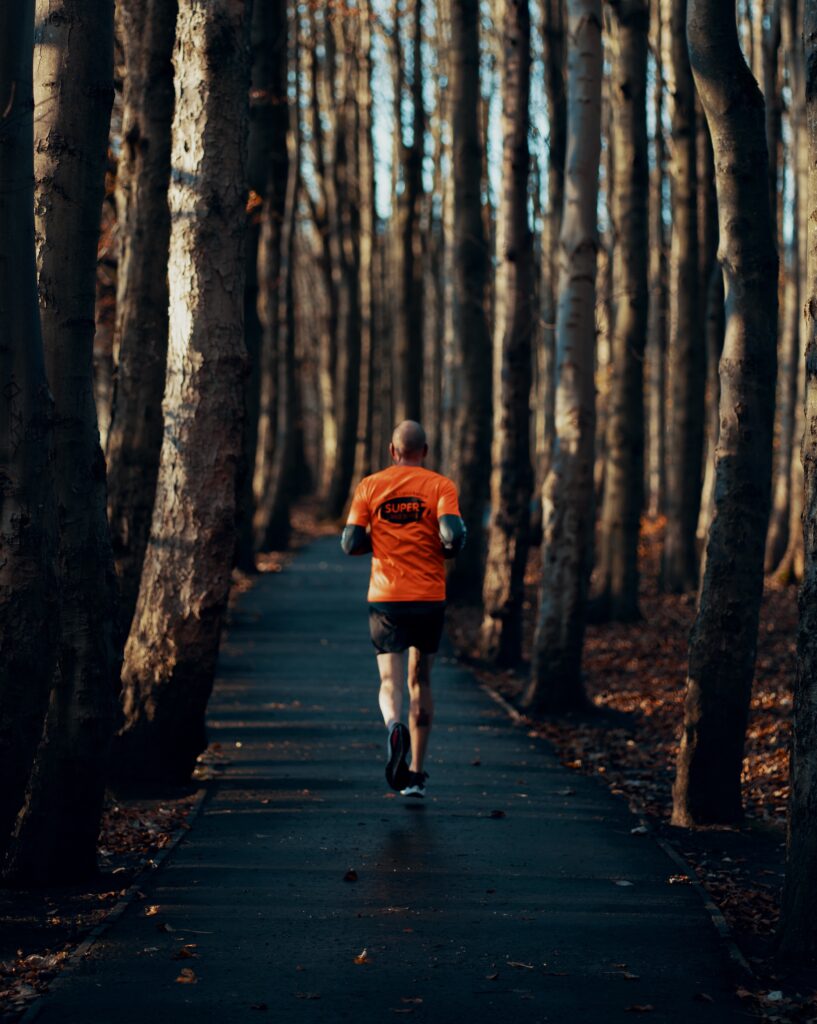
421,710
392,677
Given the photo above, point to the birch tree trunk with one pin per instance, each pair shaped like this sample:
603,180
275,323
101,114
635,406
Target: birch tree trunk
470,265
724,637
511,477
171,652
686,343
568,496
55,837
624,478
29,605
797,935
146,29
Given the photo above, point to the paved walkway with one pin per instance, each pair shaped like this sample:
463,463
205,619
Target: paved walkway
516,891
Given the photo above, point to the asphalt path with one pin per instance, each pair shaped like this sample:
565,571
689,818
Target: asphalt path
517,890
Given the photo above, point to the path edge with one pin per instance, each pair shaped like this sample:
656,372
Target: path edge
152,864
719,922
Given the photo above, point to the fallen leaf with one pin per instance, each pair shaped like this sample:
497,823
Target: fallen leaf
307,995
773,997
744,993
350,876
623,882
678,880
363,958
411,999
521,966
704,997
152,910
492,977
187,976
163,926
639,830
497,814
186,952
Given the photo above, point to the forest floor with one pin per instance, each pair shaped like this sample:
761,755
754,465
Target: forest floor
635,676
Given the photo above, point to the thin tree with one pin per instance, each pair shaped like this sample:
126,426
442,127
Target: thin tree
146,30
470,266
511,476
687,360
29,598
171,652
55,838
656,353
799,904
408,318
624,478
568,495
707,785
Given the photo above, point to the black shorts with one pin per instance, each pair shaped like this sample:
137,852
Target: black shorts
397,625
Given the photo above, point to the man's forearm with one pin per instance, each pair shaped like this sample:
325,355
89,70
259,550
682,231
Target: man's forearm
452,535
355,540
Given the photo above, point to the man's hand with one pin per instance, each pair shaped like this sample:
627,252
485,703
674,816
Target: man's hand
355,540
452,535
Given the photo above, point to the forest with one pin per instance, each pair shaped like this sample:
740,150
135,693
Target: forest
577,240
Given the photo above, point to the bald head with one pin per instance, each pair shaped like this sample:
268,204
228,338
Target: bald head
408,442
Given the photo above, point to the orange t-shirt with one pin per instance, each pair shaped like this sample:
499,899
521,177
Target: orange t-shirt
402,506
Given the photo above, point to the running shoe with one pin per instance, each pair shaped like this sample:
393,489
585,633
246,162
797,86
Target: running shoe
398,751
416,785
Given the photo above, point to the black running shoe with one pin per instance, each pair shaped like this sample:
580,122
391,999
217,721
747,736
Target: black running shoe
398,750
416,785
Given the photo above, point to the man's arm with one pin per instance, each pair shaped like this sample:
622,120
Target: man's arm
452,535
355,540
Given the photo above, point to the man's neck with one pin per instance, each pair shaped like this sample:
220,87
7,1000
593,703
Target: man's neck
416,463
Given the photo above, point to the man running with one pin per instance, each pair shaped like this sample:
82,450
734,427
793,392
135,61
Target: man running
409,518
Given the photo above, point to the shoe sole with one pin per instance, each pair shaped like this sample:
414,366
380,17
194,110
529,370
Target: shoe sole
399,747
416,794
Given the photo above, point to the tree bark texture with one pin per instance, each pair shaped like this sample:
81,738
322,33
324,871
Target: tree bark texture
687,360
624,478
55,837
724,637
408,324
29,604
797,935
470,266
171,651
511,476
568,496
146,29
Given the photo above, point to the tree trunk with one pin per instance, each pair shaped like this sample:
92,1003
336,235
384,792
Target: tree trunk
368,239
146,30
657,317
710,283
273,516
55,838
553,49
624,478
29,608
471,263
687,365
724,637
792,565
799,904
568,495
267,182
511,477
408,338
171,653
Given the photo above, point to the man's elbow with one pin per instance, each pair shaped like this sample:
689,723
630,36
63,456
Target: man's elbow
452,535
355,541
